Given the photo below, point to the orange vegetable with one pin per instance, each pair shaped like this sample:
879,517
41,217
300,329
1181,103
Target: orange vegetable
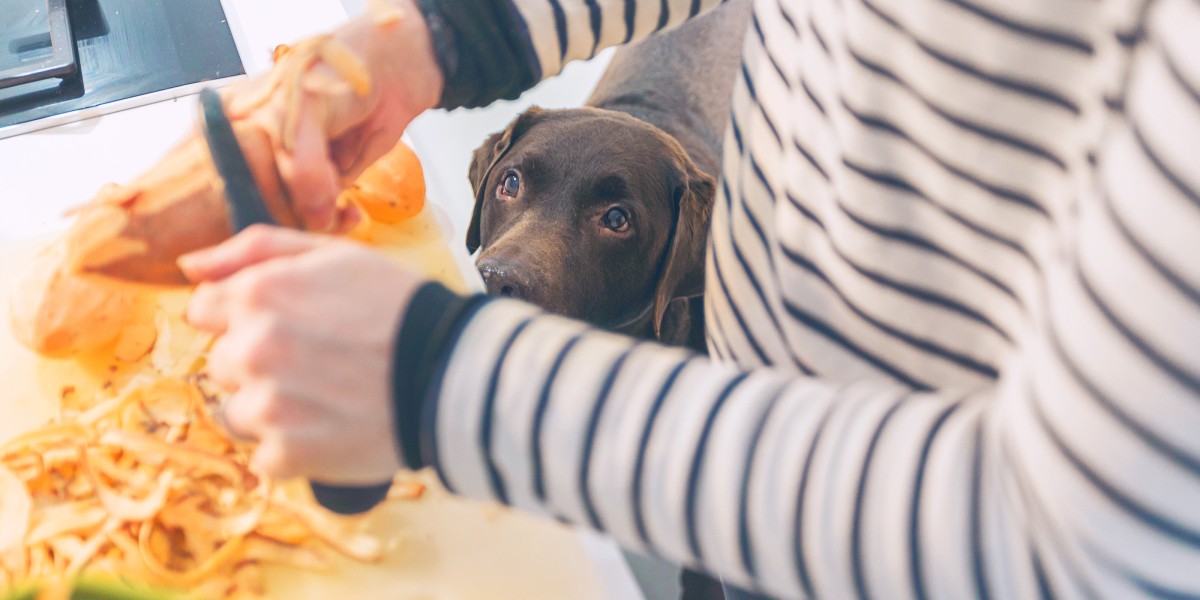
391,190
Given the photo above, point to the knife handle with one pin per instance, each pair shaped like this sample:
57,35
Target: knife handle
350,500
246,208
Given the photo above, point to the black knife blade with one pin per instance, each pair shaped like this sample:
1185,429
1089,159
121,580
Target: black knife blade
243,199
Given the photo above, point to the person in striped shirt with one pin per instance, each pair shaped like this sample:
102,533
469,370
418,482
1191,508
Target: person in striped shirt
953,301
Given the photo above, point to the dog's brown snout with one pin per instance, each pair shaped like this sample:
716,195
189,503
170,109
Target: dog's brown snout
502,280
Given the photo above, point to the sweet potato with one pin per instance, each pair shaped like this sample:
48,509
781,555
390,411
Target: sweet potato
137,232
58,313
392,189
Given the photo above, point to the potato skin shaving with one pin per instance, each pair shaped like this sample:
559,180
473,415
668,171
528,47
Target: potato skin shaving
137,486
16,505
348,65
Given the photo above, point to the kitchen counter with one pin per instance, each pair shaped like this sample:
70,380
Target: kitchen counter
45,173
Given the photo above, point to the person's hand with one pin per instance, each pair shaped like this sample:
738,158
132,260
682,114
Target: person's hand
336,103
305,327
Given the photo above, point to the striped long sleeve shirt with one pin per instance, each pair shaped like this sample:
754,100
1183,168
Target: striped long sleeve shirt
953,308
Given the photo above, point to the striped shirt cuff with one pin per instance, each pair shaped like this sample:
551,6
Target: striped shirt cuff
430,328
484,50
496,49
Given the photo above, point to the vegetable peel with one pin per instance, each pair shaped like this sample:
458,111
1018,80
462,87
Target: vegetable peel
145,486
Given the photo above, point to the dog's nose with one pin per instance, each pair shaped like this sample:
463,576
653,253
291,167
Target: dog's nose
502,280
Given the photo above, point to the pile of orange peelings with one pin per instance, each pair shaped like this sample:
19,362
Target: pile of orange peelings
147,487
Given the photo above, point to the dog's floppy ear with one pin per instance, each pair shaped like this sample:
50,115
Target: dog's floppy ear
484,160
682,272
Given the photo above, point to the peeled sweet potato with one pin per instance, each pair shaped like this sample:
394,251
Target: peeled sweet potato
137,232
72,300
392,189
67,303
58,313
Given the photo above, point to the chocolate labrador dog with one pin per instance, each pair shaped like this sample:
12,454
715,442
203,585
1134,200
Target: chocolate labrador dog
601,213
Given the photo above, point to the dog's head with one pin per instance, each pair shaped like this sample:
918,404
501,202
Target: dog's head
590,213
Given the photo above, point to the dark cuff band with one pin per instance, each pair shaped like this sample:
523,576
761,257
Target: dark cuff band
483,48
428,333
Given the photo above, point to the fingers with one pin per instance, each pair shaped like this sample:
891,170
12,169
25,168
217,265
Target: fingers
312,179
208,310
253,246
347,148
226,366
220,414
225,285
271,457
255,414
349,217
354,152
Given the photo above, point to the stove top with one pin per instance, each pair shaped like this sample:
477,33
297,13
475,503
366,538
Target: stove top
64,60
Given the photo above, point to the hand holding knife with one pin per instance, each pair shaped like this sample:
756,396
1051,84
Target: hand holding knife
247,207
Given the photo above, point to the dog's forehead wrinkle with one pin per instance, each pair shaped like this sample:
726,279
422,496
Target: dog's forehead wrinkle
530,225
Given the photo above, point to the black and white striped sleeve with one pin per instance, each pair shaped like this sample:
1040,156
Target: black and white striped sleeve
493,49
772,481
1076,474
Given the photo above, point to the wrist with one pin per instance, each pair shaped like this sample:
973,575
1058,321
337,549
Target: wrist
427,334
394,43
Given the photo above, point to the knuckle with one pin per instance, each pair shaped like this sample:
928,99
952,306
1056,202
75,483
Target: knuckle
269,458
272,406
254,290
257,237
258,287
255,352
287,459
260,345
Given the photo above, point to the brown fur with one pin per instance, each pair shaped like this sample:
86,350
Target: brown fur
648,142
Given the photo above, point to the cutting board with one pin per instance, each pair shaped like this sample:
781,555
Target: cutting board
444,547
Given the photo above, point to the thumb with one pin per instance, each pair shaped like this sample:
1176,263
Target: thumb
254,245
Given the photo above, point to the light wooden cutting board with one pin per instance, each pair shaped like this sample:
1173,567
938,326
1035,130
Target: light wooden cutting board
446,548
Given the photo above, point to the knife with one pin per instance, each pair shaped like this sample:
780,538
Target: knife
246,207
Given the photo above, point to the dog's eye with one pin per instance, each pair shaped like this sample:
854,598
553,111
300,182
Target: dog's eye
615,219
510,185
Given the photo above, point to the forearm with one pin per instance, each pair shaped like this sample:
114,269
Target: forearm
699,462
789,484
1076,475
